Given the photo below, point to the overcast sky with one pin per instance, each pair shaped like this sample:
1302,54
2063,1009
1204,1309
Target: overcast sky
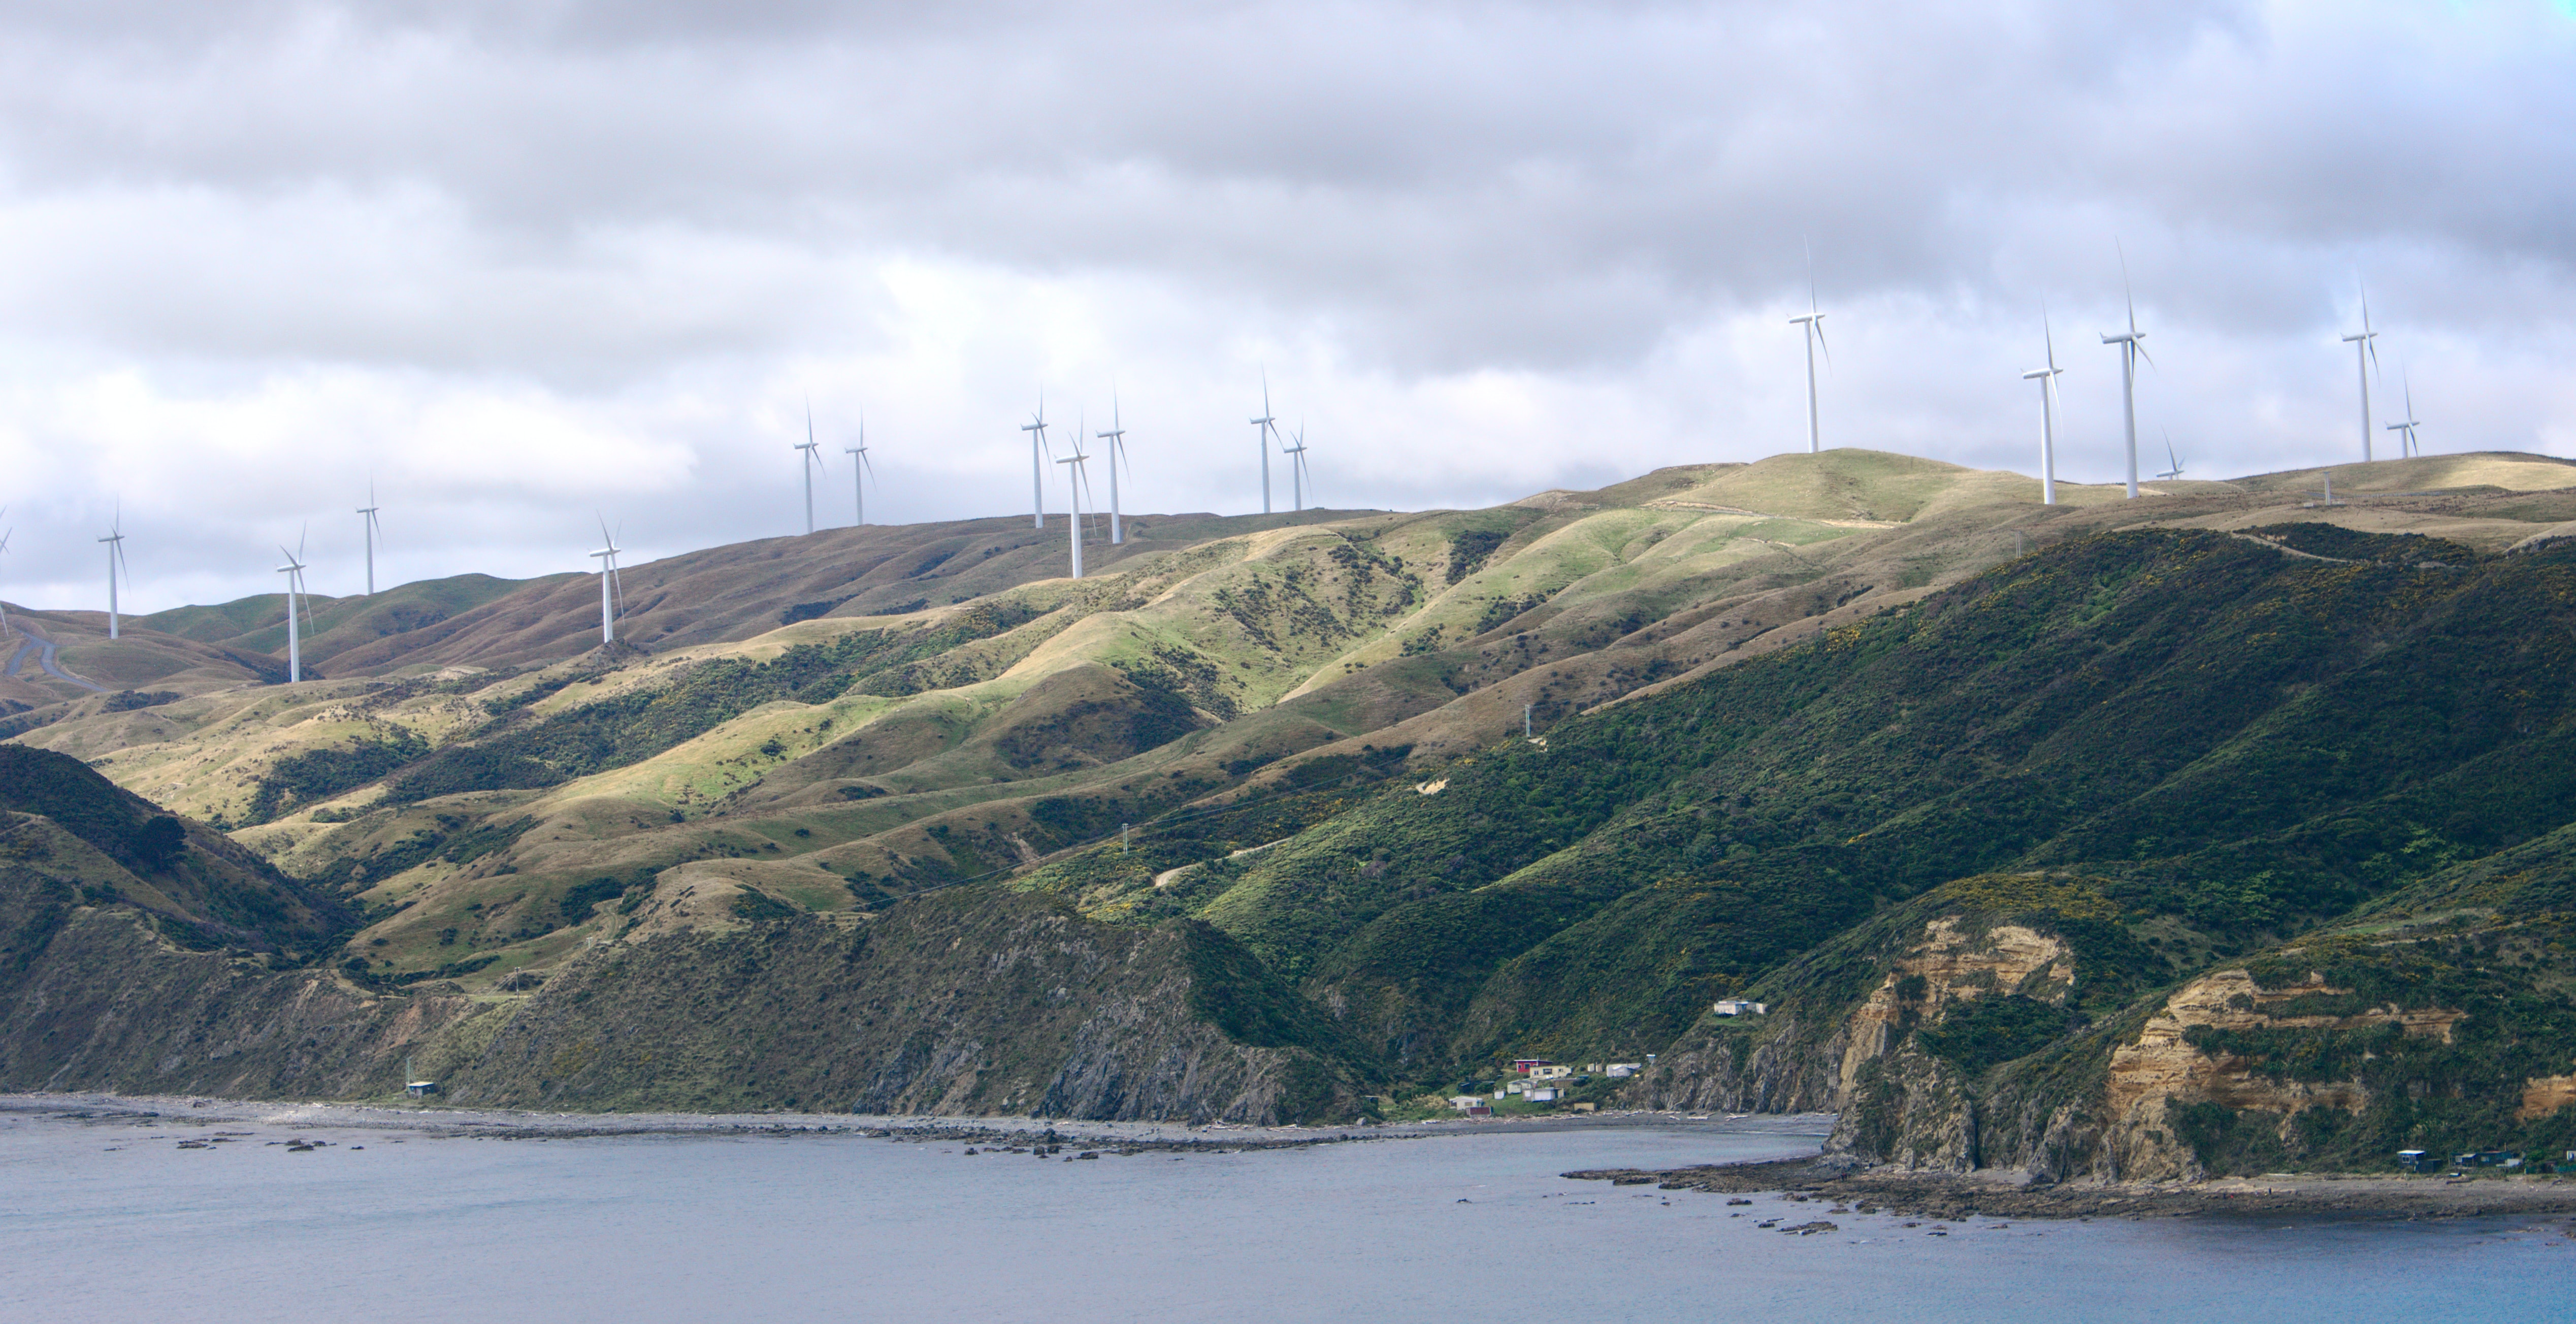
522,261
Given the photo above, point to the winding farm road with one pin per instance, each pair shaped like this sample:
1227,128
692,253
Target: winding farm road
44,650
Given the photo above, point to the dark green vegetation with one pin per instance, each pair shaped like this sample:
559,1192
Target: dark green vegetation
2233,747
70,838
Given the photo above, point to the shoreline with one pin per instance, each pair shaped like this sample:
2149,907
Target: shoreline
506,1124
1950,1196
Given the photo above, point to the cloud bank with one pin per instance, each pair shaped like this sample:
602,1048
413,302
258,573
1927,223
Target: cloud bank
526,265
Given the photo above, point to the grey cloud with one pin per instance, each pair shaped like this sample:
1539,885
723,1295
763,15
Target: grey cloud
641,210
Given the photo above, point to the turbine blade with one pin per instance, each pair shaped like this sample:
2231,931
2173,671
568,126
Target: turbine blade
2127,292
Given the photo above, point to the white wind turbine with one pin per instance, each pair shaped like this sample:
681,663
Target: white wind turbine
810,458
860,469
4,550
1297,468
2170,458
2365,357
2130,352
374,530
611,594
294,572
1813,332
1269,432
1074,483
2407,442
2047,378
1116,436
1036,429
115,541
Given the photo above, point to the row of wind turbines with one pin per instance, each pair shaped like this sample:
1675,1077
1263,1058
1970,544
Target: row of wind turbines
299,609
1113,452
2132,346
1292,447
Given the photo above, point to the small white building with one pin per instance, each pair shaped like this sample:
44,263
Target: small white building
1463,1102
1739,1007
1623,1070
1550,1071
1542,1094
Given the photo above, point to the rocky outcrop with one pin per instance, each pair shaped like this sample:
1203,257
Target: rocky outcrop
2164,1068
1784,1063
1952,965
2543,1095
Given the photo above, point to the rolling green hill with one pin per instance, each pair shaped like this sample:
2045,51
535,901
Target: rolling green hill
1994,802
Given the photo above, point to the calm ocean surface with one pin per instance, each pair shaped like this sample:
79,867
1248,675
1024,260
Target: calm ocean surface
109,1220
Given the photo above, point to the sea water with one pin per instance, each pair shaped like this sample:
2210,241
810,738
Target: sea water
108,1219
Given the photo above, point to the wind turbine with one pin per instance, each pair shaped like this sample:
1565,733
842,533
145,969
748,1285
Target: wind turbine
294,572
2176,470
374,530
860,469
1813,332
2047,378
2130,352
1297,467
1116,436
811,458
611,593
1269,432
2408,442
1074,483
2365,356
1037,465
115,541
4,550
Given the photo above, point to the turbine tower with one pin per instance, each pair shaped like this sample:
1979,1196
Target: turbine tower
1812,329
810,459
1269,432
1297,468
2130,352
1074,483
1037,464
1116,436
373,530
2365,356
611,593
2047,378
294,572
860,469
2407,442
4,550
115,541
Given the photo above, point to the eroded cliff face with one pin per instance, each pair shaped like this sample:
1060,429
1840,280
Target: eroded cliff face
1800,1059
1951,966
2543,1095
1784,1064
2163,1069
